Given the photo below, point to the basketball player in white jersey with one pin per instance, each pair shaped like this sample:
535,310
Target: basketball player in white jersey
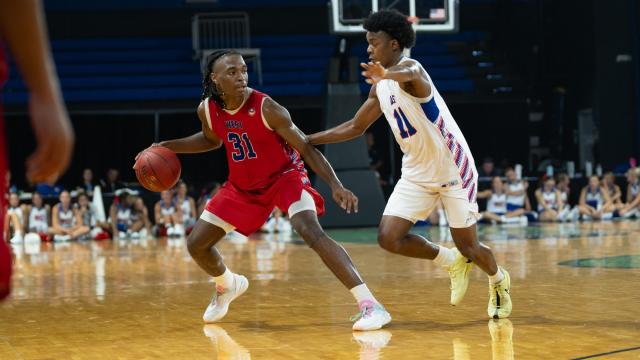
549,201
66,223
437,164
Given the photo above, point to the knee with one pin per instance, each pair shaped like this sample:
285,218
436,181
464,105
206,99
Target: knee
469,251
387,240
310,234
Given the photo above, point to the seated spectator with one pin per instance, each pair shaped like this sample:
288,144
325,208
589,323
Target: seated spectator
38,220
87,184
168,215
87,213
207,195
14,219
66,223
120,213
140,218
549,201
488,169
112,182
594,200
615,194
632,206
497,211
188,207
564,186
517,198
277,222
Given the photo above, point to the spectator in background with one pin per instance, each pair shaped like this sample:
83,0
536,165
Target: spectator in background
66,223
38,220
87,182
517,197
187,206
488,168
615,194
497,210
594,200
549,201
140,218
14,219
87,213
112,182
207,195
564,186
632,205
168,215
120,213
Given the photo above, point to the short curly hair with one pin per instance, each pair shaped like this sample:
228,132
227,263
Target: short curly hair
395,24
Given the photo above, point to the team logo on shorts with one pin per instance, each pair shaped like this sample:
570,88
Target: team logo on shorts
252,112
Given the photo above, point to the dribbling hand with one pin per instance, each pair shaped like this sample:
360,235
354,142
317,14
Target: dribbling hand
374,72
346,199
140,153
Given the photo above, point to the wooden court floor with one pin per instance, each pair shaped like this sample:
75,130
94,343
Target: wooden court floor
575,289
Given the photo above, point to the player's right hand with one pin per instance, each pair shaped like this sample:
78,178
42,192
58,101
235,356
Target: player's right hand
346,199
55,139
140,153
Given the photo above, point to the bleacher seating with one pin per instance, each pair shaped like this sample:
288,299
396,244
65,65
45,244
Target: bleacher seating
156,69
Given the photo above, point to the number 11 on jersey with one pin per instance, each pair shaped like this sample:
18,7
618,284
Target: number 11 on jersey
402,121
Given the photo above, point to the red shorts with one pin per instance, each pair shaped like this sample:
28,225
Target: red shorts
247,211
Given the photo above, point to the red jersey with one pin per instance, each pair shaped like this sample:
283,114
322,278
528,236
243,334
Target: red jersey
257,155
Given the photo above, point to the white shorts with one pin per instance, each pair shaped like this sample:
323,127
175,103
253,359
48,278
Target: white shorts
415,202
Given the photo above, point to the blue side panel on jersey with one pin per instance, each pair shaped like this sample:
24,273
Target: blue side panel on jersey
431,110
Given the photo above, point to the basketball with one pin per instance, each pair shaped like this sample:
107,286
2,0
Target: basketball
157,168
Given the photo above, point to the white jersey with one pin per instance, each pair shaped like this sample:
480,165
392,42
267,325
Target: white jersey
549,198
18,212
167,210
185,206
66,219
38,221
594,199
435,151
497,203
519,199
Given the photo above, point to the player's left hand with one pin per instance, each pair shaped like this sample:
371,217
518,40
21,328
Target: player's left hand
346,199
374,72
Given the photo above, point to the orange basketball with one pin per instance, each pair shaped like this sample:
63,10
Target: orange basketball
157,168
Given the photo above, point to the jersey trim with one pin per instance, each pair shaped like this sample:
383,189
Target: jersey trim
206,111
264,121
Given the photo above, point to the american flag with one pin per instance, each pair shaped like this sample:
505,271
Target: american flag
439,14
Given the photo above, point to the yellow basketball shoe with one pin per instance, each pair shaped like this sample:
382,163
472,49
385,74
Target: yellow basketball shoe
459,274
499,298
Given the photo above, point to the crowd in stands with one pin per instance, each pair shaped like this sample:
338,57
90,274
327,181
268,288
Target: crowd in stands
77,216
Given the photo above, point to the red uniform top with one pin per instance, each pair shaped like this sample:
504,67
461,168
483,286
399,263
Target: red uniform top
257,155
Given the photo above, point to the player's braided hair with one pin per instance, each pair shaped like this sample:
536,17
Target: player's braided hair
209,88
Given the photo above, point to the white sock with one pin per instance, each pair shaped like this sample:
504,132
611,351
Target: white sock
445,256
225,280
362,293
496,278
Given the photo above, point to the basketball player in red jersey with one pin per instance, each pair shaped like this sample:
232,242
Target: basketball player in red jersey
265,170
23,29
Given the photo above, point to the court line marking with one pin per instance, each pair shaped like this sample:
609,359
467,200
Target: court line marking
607,353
